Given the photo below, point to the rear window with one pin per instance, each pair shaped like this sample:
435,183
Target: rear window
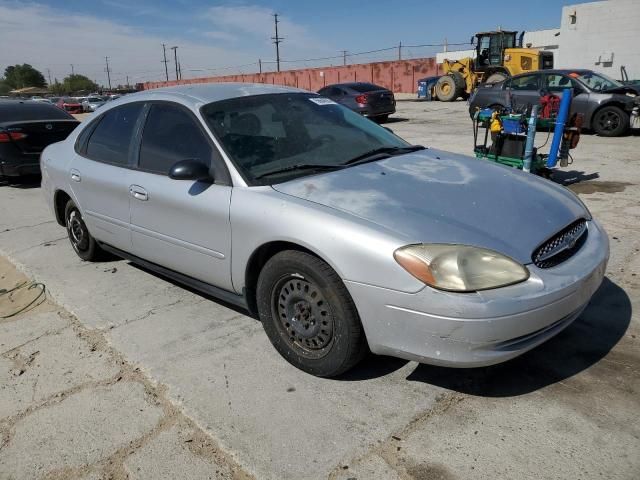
365,87
11,111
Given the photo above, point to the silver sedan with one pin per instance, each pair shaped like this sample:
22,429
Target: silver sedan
340,236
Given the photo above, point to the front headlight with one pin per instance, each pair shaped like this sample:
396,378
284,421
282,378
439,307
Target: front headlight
459,268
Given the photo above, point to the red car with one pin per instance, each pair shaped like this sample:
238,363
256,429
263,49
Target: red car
70,105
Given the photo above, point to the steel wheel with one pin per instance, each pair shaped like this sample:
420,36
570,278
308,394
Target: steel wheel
81,240
305,319
77,230
610,121
308,314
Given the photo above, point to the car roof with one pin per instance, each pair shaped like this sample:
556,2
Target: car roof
201,93
30,109
352,84
560,71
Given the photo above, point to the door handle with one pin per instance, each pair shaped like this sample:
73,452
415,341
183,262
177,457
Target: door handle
138,193
75,175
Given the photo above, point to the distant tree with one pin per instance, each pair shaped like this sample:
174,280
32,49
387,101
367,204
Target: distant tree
77,82
21,76
5,88
57,88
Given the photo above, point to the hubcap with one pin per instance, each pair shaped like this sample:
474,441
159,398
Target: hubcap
304,316
76,230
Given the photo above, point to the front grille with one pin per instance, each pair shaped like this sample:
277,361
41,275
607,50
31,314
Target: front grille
562,246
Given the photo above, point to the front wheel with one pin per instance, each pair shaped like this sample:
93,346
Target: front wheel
309,315
81,240
610,121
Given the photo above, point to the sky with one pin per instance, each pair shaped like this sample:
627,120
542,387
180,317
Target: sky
228,37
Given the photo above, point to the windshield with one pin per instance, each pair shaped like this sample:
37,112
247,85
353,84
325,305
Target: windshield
596,81
95,99
276,132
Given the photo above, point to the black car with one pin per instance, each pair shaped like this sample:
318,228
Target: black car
606,104
367,99
26,128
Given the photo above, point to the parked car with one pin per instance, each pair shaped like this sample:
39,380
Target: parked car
365,98
606,104
26,128
69,104
344,235
91,104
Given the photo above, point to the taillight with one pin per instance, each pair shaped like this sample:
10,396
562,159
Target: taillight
6,137
361,99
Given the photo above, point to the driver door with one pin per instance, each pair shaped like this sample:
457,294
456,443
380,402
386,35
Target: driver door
182,225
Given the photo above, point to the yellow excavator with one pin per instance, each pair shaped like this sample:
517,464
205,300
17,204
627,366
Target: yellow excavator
498,56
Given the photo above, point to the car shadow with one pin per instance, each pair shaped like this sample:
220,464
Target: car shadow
581,345
395,120
569,177
25,182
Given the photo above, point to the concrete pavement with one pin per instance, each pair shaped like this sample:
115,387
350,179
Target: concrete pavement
566,410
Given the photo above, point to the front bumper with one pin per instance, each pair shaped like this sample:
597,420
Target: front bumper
482,328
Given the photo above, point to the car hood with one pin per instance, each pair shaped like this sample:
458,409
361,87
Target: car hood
433,196
631,89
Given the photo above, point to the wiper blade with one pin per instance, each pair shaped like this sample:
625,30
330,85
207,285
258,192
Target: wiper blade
377,153
300,166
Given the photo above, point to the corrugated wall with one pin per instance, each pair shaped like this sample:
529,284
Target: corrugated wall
399,76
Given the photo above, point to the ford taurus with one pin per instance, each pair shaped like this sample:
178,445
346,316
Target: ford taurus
339,235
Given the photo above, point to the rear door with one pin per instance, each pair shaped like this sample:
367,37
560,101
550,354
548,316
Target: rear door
98,174
179,224
524,91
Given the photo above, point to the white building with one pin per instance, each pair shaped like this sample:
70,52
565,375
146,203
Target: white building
601,36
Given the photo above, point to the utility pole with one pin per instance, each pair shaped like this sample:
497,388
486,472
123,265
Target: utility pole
106,59
344,57
164,54
127,81
72,72
260,65
400,51
180,70
175,57
446,45
277,40
49,75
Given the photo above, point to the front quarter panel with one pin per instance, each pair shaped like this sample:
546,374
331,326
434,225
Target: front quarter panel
356,249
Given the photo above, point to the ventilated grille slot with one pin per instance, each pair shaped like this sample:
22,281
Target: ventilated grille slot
561,246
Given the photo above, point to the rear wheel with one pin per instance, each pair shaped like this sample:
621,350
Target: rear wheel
496,77
308,314
81,240
447,89
610,121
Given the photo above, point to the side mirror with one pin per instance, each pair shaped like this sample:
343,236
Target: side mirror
190,169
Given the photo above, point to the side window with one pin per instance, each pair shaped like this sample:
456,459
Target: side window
556,83
111,139
526,82
336,92
170,134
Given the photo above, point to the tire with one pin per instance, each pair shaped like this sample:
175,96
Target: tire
327,338
610,121
496,77
446,89
81,240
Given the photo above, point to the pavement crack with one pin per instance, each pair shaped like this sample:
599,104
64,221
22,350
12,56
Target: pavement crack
21,227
